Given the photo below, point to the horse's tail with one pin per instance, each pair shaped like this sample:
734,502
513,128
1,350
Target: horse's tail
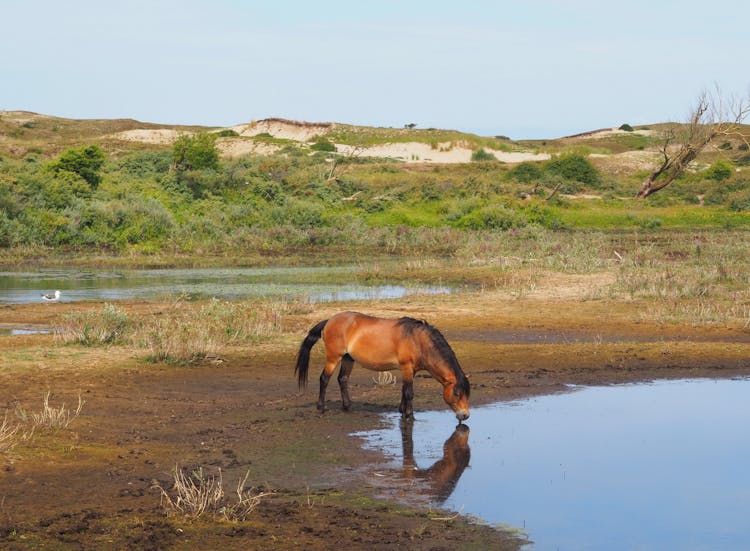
303,356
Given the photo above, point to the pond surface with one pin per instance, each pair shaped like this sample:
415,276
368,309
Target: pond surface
309,283
648,466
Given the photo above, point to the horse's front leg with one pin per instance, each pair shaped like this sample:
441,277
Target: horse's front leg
347,364
407,393
325,376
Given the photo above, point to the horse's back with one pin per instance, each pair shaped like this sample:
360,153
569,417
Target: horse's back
372,342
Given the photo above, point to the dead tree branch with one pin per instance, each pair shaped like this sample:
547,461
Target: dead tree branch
712,117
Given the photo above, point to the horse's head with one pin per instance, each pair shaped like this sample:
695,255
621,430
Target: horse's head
456,395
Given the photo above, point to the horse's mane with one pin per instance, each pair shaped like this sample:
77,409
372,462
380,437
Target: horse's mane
410,325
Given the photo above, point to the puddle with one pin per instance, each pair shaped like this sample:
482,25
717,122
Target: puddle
308,283
24,331
648,466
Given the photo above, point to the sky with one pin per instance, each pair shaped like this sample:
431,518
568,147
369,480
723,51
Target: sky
524,69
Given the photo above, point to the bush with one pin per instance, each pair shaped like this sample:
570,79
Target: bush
196,152
226,133
573,167
492,217
323,144
740,200
85,161
626,127
146,163
298,213
480,155
719,171
63,187
525,173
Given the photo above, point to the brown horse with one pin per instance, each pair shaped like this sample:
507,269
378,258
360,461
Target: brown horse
381,345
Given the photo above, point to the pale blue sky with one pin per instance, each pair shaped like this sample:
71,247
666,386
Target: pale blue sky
526,69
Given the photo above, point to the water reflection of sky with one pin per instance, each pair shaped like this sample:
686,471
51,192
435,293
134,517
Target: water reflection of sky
226,283
657,466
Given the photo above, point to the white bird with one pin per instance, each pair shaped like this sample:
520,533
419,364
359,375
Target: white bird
51,298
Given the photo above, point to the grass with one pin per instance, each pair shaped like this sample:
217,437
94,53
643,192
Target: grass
108,326
9,435
637,215
368,136
187,335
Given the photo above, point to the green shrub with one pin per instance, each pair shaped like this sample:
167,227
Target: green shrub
480,155
226,133
323,144
492,217
12,231
146,163
719,171
525,173
740,200
196,152
544,216
86,162
575,168
298,213
626,127
63,187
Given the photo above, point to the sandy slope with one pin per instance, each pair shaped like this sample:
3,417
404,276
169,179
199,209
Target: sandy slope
410,152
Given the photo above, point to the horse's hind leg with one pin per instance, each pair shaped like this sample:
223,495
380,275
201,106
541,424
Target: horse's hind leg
347,363
325,376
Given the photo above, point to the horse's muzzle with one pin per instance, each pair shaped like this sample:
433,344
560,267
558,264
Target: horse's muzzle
462,415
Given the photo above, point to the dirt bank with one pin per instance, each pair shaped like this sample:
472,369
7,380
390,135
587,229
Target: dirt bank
94,484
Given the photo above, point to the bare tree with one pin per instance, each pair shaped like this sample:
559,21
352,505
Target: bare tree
713,117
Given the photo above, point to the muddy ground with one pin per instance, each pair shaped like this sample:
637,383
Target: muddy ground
95,484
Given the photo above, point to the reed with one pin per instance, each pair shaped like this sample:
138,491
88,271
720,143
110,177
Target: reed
196,494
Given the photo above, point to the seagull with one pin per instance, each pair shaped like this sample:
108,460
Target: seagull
50,297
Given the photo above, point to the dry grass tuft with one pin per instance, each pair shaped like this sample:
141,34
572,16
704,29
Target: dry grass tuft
9,435
385,378
196,494
50,417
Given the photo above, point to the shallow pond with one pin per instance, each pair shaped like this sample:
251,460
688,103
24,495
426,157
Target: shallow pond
309,283
648,466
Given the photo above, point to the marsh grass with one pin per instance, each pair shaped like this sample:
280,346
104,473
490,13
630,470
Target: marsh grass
197,493
186,335
698,280
110,325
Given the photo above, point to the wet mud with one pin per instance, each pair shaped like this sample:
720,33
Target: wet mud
95,484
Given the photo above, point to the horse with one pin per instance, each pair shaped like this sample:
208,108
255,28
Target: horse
384,344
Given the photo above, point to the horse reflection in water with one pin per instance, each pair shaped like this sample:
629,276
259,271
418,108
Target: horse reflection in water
441,478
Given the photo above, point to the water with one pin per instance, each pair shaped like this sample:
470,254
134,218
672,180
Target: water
24,331
227,283
647,467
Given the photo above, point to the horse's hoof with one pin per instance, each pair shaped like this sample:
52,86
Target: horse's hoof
346,407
